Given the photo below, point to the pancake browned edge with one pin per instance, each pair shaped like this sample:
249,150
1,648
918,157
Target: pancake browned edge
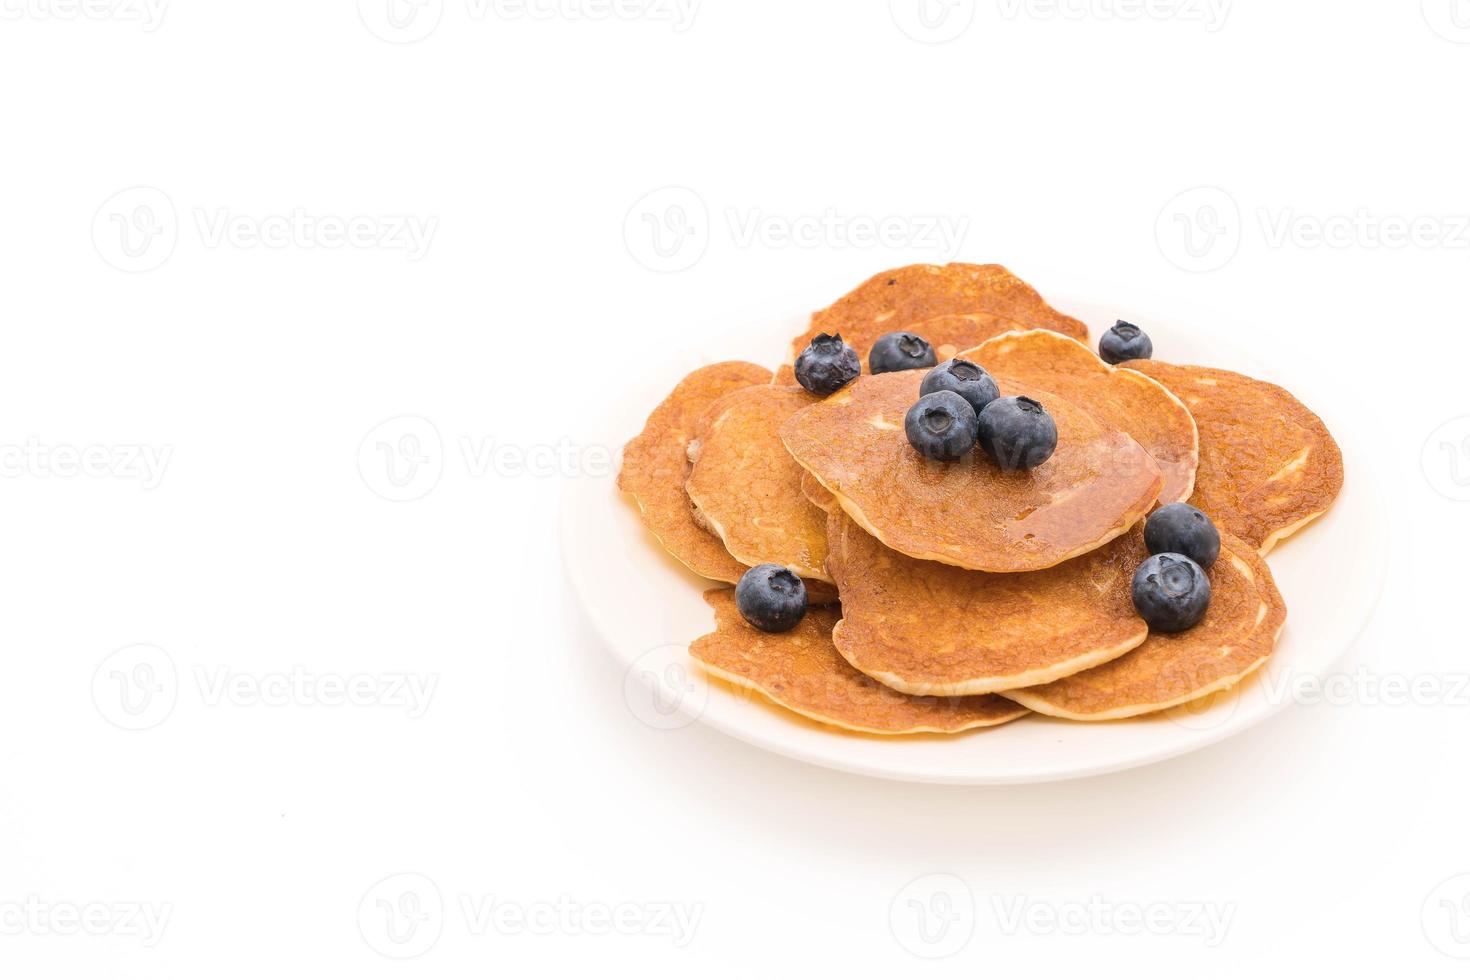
1236,636
656,465
989,297
801,671
927,628
1268,466
746,486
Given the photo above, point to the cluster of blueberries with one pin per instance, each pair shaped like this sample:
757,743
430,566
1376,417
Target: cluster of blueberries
959,406
959,403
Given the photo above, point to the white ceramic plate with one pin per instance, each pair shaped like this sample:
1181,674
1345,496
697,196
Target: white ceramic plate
647,607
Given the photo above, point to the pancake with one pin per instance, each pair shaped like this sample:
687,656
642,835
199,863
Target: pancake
926,628
1268,466
747,488
970,513
1236,636
656,465
801,671
785,374
976,302
1124,399
818,494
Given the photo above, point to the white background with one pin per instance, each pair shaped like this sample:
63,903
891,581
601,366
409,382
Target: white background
259,824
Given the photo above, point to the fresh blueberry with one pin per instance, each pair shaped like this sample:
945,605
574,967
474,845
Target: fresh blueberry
964,378
1170,592
941,425
1017,432
1183,530
899,352
1124,342
771,598
826,365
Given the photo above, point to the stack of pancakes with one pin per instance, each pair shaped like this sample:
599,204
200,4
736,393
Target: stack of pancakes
954,596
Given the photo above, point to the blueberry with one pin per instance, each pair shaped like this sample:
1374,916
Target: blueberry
1183,530
1124,342
771,598
899,352
964,378
826,365
1017,432
941,425
1170,592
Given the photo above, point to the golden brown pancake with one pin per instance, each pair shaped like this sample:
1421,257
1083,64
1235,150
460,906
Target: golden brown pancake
1236,636
747,488
1268,466
1124,399
785,374
656,465
970,513
818,494
800,670
977,302
926,628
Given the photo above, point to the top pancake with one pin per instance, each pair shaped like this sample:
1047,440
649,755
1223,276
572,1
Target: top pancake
1119,397
927,628
1235,637
801,670
748,488
656,465
976,302
1268,466
970,513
